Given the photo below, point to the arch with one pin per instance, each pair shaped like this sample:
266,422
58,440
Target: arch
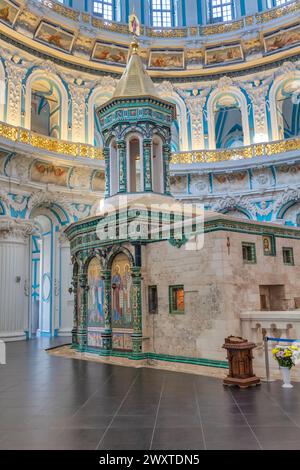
114,252
283,86
238,212
134,163
231,96
182,120
59,91
95,99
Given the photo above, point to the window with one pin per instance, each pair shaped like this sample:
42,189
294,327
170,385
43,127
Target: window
162,13
269,245
176,299
104,8
220,10
249,253
152,299
276,3
288,256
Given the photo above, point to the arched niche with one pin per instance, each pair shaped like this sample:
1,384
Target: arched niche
228,123
96,99
46,105
121,292
95,302
284,101
135,173
157,165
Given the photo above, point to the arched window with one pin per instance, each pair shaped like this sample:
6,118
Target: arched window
276,3
46,108
220,10
228,123
288,109
162,13
104,8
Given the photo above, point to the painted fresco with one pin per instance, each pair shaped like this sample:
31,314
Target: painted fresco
121,284
282,39
94,338
95,294
194,58
48,173
167,60
110,53
224,55
98,183
121,340
55,36
8,12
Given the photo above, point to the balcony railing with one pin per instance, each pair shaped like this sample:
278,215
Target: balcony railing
250,151
80,150
61,147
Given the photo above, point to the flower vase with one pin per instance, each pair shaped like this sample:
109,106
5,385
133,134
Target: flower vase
286,377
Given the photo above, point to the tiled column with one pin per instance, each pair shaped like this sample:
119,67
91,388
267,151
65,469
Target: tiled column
147,151
107,333
82,328
76,293
137,310
121,145
166,163
106,153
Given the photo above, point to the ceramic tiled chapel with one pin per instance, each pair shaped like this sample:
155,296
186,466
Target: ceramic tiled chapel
139,292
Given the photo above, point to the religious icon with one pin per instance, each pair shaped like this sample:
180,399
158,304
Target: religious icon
117,295
134,25
95,294
267,245
121,284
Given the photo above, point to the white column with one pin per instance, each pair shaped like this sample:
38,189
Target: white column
14,278
66,300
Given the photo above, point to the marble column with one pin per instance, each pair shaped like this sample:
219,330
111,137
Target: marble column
121,146
137,310
147,153
107,333
82,326
14,278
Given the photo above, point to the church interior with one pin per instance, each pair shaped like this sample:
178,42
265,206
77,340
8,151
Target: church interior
149,221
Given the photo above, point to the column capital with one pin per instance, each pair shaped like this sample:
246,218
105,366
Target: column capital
16,229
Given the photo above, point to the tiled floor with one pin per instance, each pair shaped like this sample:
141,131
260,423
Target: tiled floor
49,402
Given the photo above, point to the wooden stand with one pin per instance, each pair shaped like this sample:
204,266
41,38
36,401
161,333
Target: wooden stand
239,354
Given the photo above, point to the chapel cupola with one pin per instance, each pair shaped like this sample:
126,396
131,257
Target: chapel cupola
136,128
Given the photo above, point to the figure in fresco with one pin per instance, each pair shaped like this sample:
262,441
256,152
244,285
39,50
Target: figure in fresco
127,282
117,296
95,295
